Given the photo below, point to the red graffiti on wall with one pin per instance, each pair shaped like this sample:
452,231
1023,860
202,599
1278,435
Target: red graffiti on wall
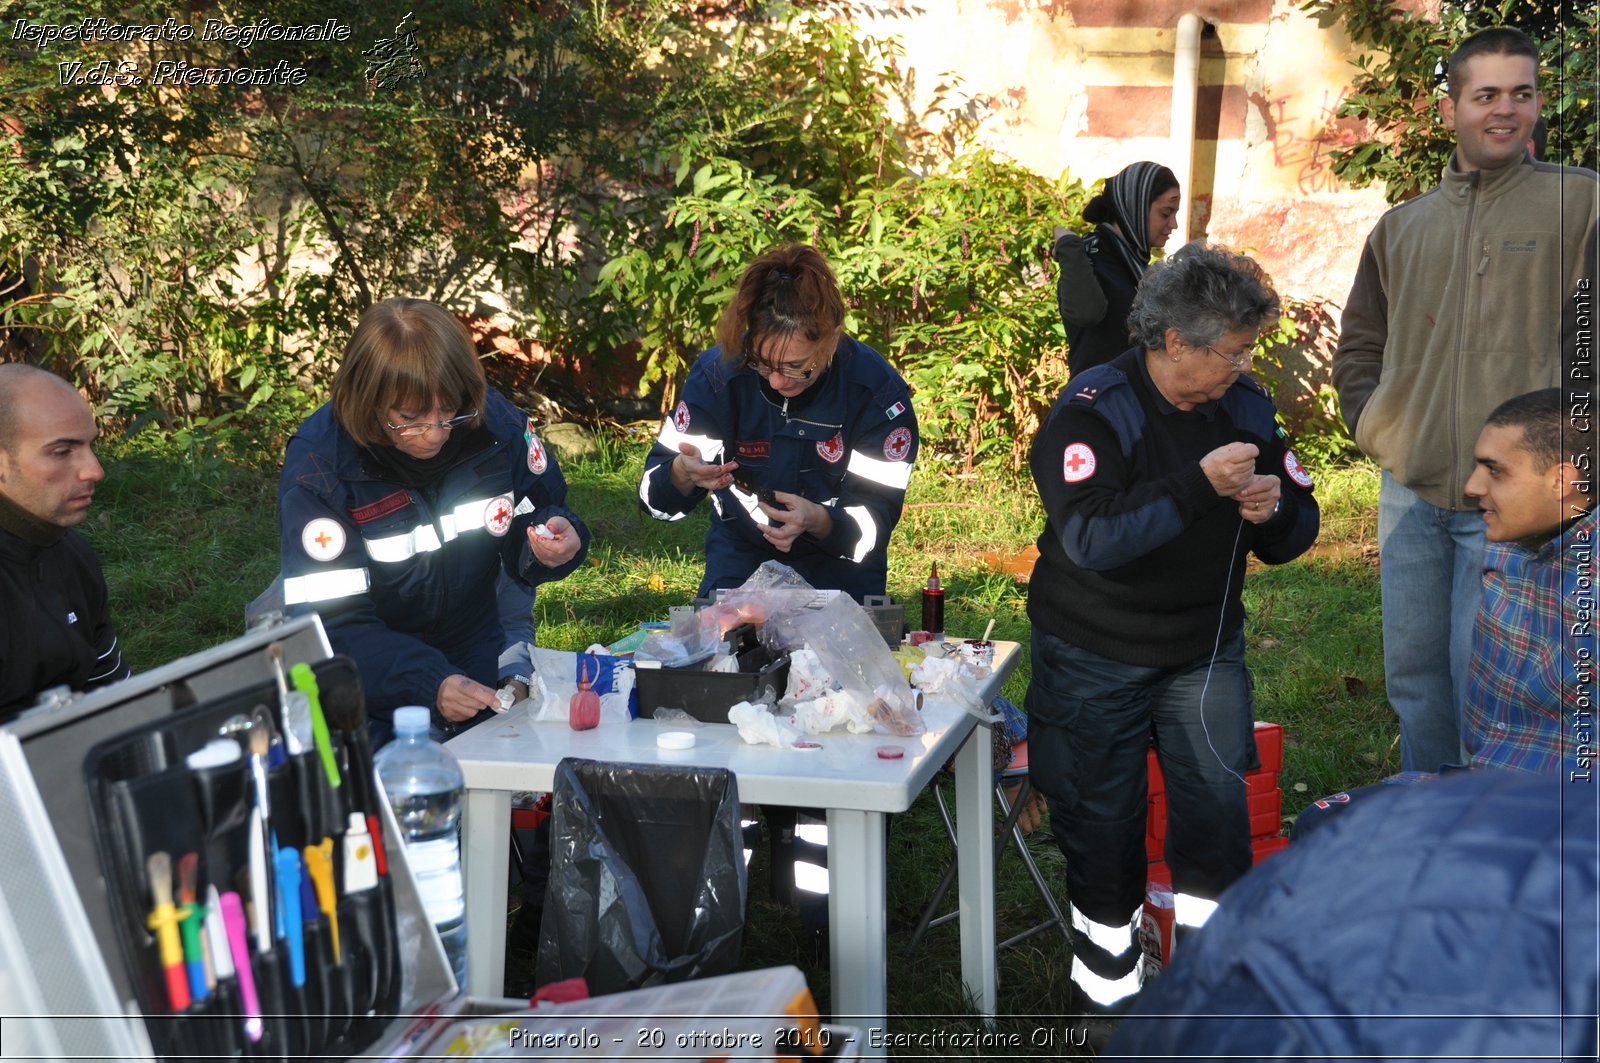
1303,145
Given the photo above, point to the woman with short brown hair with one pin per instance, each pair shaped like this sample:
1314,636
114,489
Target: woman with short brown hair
401,501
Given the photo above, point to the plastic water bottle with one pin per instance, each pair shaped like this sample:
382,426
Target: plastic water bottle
423,781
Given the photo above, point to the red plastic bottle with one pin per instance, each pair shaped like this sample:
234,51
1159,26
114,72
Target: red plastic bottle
583,711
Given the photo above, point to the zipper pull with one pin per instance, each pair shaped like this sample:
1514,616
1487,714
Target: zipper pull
1483,263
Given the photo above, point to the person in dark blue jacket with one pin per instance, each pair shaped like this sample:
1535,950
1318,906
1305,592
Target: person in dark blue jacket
1451,921
803,437
1159,472
403,498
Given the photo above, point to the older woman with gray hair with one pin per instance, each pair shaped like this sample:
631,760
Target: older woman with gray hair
1159,471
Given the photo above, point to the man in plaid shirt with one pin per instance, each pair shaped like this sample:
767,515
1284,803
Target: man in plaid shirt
1530,692
1530,697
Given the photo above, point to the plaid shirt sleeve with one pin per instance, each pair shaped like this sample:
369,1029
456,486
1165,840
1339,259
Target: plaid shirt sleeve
1531,684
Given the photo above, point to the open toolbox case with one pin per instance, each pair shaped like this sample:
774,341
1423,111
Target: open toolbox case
92,785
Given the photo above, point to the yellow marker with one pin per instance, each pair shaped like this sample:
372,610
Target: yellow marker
319,865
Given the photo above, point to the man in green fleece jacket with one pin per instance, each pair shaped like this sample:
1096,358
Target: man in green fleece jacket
1478,290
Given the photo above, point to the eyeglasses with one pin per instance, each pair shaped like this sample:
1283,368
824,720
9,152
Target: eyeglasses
1238,362
763,369
416,428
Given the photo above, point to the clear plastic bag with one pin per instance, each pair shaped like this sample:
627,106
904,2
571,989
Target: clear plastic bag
850,649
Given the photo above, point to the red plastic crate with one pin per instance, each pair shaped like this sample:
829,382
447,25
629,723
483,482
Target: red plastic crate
1265,847
1266,814
1269,743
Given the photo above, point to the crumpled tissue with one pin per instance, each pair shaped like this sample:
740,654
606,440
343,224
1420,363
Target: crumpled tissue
759,727
832,710
946,677
808,679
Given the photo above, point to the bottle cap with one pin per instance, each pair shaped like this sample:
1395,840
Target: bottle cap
413,719
933,578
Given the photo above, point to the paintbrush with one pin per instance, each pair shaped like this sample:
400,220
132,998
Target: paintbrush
262,847
164,921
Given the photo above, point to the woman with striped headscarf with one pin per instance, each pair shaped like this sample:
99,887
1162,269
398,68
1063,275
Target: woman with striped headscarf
1133,216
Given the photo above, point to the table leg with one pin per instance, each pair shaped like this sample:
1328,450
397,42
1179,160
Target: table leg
974,772
485,849
858,918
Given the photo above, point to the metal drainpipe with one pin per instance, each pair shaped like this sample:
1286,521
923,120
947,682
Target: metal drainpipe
1185,100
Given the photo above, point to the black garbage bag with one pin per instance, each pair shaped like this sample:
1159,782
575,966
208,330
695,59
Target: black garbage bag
647,876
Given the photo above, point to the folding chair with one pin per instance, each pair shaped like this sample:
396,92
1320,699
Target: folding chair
1015,772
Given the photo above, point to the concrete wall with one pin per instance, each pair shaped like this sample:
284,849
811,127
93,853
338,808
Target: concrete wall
1086,86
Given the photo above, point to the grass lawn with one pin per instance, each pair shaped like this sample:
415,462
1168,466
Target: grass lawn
187,544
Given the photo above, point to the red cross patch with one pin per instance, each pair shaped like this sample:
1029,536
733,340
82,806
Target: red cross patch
1077,463
832,449
322,539
897,444
680,417
497,516
1296,471
537,460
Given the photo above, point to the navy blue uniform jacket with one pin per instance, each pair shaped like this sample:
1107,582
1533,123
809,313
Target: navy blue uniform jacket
847,442
1140,559
404,577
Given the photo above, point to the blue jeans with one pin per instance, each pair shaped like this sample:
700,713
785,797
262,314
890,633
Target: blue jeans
1090,721
1432,576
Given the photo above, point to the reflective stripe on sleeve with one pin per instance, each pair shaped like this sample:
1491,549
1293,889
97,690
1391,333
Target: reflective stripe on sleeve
1112,940
710,449
1191,911
891,474
471,515
392,548
324,586
644,494
1107,991
869,532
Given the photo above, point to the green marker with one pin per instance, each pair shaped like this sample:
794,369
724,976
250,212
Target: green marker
306,683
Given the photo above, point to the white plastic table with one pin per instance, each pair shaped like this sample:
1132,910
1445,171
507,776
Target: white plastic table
845,776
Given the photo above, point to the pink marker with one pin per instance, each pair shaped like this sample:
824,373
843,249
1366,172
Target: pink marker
233,922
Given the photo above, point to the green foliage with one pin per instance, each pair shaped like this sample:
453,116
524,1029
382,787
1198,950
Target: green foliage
943,257
194,253
1401,77
1294,362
